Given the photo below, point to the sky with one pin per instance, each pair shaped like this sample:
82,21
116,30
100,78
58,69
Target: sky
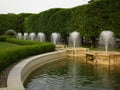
36,6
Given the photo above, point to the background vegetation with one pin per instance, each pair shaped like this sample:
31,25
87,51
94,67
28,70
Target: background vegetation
12,21
90,20
11,53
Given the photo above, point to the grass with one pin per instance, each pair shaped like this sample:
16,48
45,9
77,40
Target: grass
15,50
6,45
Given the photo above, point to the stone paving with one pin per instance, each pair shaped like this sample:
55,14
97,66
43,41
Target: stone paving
3,88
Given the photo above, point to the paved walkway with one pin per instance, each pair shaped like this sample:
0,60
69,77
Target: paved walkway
3,88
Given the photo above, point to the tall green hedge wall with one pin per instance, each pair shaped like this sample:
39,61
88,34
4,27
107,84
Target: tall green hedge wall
12,21
89,19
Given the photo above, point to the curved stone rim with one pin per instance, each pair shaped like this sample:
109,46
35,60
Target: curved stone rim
22,70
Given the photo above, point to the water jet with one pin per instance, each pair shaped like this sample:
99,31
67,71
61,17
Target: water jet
74,39
32,36
25,36
19,35
106,39
41,37
56,38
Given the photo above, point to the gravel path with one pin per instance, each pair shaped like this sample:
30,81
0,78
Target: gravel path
4,75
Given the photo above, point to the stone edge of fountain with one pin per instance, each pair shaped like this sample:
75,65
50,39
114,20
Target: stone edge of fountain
21,71
103,57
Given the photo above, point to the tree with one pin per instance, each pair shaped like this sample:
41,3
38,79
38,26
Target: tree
92,1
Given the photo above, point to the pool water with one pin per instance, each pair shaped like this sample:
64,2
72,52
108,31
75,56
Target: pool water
74,74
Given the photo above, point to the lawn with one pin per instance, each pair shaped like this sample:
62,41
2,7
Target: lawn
5,45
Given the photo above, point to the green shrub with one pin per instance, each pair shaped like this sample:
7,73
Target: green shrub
22,42
2,38
11,55
12,21
89,20
40,21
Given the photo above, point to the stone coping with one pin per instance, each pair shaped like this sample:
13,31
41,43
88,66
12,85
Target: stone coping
21,71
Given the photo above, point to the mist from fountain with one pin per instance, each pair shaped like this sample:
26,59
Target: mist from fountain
74,39
56,38
25,36
32,36
19,35
41,37
106,39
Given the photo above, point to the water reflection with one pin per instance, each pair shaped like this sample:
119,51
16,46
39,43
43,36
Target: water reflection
74,74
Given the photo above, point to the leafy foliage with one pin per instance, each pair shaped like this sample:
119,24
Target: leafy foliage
22,42
89,19
12,21
4,37
14,54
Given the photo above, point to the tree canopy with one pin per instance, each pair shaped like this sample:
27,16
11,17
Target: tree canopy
89,20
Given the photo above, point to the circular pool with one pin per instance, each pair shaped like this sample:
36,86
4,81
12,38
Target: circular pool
74,74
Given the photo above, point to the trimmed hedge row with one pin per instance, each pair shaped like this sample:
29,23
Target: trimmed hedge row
22,42
14,54
3,38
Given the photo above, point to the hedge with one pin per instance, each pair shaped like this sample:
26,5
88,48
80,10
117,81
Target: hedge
89,20
3,38
12,21
22,42
14,54
36,20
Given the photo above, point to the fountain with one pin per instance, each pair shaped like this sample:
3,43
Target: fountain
77,76
19,35
106,39
10,32
32,36
75,42
56,38
25,36
41,37
74,39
